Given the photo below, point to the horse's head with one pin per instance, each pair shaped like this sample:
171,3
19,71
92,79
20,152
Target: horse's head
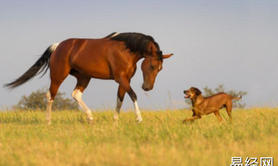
150,67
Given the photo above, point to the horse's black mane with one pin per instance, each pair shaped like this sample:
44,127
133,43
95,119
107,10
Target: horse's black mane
135,42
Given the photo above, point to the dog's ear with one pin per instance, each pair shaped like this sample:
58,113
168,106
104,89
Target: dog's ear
197,91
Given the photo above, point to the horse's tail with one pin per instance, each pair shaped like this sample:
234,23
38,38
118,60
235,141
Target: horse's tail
41,65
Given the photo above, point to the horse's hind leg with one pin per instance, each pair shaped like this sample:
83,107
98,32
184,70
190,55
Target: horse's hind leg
82,83
56,81
59,70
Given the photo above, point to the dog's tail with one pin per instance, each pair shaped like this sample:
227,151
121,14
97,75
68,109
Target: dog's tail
237,98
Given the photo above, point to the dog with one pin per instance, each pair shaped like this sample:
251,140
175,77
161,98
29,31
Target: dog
206,105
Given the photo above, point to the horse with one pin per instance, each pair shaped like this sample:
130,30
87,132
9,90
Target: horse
113,57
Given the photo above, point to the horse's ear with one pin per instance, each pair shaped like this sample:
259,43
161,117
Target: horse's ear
167,56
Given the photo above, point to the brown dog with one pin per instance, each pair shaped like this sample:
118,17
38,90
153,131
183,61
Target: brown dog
206,105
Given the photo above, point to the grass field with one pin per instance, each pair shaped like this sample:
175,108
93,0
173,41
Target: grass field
160,140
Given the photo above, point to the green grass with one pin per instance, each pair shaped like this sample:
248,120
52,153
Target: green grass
160,140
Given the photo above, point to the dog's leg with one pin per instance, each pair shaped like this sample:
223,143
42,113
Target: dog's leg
229,109
194,113
192,118
218,116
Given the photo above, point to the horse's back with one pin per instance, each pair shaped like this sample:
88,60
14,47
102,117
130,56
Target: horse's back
93,57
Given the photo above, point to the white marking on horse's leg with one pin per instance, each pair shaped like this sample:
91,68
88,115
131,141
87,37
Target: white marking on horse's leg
137,112
77,95
118,107
49,107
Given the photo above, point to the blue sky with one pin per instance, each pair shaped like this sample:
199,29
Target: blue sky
234,43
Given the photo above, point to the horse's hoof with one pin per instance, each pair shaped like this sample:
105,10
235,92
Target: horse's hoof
90,121
139,120
116,123
116,118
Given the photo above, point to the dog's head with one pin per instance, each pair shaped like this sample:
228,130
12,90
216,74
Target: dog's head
192,93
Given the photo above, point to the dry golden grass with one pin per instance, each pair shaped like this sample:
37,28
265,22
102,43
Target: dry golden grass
161,139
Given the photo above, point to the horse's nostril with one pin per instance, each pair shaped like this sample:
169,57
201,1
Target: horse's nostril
146,88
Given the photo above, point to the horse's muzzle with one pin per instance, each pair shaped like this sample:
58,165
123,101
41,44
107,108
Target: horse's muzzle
146,88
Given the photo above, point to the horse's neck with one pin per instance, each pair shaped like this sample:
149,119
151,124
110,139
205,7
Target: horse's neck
137,57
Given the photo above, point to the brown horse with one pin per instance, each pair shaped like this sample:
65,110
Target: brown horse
112,57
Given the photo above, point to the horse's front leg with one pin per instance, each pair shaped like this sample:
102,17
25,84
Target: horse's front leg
120,98
133,97
126,86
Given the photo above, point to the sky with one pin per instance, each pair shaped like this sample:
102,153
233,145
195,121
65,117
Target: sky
234,43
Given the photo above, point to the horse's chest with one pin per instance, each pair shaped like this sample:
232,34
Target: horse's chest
131,71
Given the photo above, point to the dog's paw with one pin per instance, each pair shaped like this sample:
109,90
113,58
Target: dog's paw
187,121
